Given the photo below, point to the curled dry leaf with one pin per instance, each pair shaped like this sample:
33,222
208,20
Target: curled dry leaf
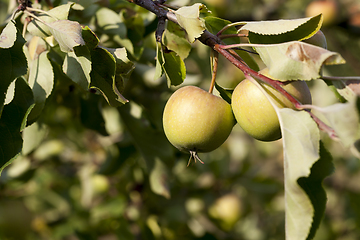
296,60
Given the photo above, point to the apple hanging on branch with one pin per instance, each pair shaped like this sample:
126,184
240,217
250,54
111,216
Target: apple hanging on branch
255,114
197,121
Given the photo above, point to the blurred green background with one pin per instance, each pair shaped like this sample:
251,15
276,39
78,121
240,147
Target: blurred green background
71,182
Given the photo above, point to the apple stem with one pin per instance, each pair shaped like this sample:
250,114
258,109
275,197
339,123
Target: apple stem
214,63
194,155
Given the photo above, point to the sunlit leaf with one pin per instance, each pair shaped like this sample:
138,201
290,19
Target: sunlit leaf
189,19
344,119
170,64
306,164
296,60
13,64
13,121
40,29
124,66
67,34
174,68
348,89
174,39
312,185
41,80
159,71
8,35
103,76
77,65
277,31
301,150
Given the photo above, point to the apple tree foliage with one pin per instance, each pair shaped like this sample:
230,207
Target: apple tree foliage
103,72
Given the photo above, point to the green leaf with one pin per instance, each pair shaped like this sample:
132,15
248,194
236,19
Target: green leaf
301,151
8,35
174,68
174,40
303,164
171,64
103,69
189,19
110,22
278,31
296,60
13,121
90,38
124,67
41,80
159,71
224,93
67,34
312,185
77,66
13,63
40,29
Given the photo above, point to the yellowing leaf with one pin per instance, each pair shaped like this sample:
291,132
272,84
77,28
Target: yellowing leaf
67,34
296,60
189,19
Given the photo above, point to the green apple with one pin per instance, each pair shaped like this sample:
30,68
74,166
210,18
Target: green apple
254,112
318,39
195,120
328,8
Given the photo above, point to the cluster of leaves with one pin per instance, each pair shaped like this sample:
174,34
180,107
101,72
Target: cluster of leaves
74,77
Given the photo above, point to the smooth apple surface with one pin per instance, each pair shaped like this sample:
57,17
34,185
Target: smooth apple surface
197,121
255,114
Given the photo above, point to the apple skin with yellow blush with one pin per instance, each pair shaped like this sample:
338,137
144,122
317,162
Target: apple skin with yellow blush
195,120
254,112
